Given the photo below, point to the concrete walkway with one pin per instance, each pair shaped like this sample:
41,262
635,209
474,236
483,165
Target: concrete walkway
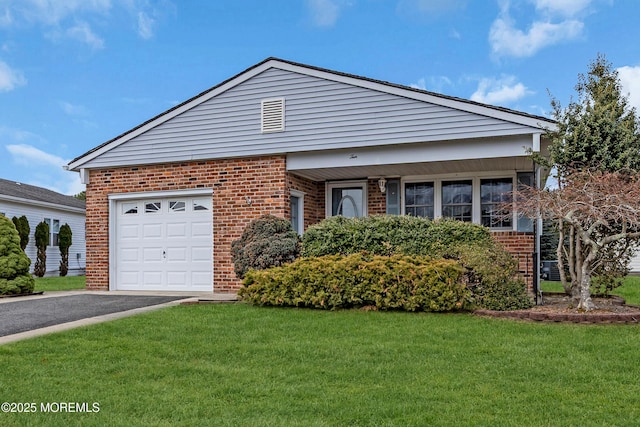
30,316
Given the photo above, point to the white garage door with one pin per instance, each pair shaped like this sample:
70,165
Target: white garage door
164,244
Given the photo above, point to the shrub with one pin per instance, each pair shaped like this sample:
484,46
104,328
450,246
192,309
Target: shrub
14,263
64,243
411,283
22,225
42,241
388,234
266,242
490,270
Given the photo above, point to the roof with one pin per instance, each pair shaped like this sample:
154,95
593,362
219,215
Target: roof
408,91
17,191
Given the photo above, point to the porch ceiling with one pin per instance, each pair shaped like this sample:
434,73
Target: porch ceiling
520,163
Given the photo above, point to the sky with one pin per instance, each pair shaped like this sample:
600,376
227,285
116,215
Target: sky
77,73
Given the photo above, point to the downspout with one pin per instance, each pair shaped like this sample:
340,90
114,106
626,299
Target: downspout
536,245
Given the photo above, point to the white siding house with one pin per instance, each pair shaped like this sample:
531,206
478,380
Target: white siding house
39,204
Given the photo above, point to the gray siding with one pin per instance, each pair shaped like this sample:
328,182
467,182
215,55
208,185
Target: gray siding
320,114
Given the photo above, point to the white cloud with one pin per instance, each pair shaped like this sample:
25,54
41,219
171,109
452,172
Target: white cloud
433,83
562,7
324,13
73,19
82,32
630,81
45,169
29,155
145,25
500,91
10,78
508,40
53,12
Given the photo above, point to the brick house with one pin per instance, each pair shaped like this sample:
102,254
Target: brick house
166,199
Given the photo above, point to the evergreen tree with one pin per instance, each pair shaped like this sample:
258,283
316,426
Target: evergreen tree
42,241
597,133
22,225
64,243
14,263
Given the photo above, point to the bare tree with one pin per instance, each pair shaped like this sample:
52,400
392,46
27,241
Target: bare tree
600,212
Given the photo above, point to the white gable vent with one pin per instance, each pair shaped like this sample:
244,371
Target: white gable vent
273,115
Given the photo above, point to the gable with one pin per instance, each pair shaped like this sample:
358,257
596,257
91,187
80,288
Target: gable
321,111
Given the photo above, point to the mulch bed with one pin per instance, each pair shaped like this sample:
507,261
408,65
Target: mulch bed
556,307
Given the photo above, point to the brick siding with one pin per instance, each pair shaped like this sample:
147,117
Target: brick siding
263,179
521,246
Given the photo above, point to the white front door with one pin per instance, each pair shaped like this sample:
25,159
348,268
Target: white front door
164,244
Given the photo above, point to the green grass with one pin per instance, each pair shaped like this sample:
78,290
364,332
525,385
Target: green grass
630,290
57,283
238,365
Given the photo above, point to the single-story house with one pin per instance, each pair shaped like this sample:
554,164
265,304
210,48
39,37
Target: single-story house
39,204
166,199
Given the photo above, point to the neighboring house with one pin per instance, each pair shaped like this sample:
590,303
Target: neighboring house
39,204
166,199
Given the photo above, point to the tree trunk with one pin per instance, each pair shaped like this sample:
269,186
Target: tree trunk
581,294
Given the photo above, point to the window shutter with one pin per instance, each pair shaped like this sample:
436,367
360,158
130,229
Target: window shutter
273,115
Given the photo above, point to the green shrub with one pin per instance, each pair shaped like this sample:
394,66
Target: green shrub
489,269
266,242
22,225
388,234
42,241
398,282
14,263
64,243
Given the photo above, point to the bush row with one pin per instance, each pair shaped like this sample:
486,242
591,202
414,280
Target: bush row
488,270
412,283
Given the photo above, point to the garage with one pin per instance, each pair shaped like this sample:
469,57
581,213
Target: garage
163,243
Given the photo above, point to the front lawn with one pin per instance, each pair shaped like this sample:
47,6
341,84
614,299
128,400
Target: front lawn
630,290
237,365
56,283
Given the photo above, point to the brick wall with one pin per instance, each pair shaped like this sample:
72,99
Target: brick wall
263,179
521,246
377,200
314,193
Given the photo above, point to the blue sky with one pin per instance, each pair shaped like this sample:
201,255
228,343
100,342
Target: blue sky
76,73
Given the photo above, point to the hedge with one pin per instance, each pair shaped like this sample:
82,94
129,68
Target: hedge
398,282
490,271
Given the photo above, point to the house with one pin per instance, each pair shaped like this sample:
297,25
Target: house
39,204
166,199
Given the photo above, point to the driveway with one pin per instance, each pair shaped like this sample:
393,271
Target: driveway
25,317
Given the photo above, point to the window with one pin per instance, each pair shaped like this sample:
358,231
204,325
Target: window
457,200
348,199
201,204
419,200
493,194
54,230
177,206
129,208
152,207
297,211
393,197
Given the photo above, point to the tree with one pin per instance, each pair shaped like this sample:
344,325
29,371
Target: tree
14,263
601,210
81,195
64,243
42,241
22,225
597,137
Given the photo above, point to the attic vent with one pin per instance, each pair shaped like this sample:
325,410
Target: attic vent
272,115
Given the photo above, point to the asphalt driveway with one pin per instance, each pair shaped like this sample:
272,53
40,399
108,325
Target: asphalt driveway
40,314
